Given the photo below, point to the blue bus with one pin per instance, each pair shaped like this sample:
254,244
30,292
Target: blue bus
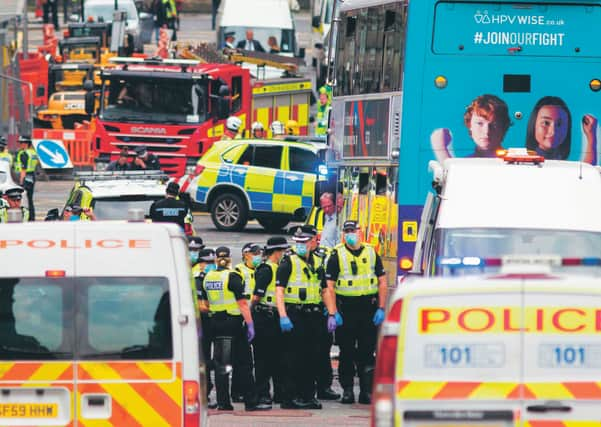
428,80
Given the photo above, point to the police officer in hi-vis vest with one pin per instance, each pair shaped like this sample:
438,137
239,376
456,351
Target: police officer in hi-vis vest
267,345
25,166
356,298
232,329
251,258
298,295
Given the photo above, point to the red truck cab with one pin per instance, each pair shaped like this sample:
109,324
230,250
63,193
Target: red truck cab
176,108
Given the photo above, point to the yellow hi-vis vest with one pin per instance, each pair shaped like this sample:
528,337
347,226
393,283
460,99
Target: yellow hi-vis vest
170,8
269,297
364,281
304,277
5,156
248,274
316,218
4,214
218,294
32,160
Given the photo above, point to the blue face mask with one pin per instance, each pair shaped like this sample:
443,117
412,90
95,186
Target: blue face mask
74,218
256,260
210,267
301,249
352,239
194,257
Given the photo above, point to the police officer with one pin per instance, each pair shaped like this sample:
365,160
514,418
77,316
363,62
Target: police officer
251,257
145,160
12,200
204,264
267,344
25,166
195,245
170,209
5,156
298,295
356,298
229,310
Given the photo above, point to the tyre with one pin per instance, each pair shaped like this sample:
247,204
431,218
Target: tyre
229,212
273,225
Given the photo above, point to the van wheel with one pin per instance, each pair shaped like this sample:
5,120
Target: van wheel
273,225
229,212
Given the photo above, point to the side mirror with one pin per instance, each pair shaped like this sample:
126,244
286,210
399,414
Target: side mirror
90,101
316,22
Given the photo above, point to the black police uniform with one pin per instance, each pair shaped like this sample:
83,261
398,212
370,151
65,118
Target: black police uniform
358,335
231,347
169,209
151,161
267,345
300,347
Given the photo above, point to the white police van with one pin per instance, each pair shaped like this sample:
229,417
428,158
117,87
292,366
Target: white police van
97,326
517,204
520,347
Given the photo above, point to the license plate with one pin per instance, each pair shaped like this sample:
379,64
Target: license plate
28,410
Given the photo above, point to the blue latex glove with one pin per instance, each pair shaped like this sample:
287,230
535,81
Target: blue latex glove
378,317
331,324
250,331
339,320
285,324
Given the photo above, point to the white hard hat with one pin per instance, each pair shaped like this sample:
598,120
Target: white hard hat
257,126
277,128
233,123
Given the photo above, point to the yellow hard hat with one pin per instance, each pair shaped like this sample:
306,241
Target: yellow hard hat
292,127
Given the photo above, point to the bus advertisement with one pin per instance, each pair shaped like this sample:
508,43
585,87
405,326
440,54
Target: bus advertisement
459,79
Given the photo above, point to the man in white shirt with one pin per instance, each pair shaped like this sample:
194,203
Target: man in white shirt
330,236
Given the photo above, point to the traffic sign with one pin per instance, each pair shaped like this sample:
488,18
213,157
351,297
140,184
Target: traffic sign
52,154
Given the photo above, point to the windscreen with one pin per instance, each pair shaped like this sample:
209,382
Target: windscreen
495,243
141,99
117,209
104,12
283,38
85,318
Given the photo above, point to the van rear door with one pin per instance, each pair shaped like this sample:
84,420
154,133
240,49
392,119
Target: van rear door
128,367
562,364
36,334
460,353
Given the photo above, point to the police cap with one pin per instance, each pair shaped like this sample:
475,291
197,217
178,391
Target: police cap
2,142
276,243
222,252
195,243
14,193
229,34
141,150
253,248
349,226
206,255
172,188
304,233
24,139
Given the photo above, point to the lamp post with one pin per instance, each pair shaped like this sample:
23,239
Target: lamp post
30,85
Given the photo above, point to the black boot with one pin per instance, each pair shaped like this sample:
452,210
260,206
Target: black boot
348,396
365,384
328,394
293,404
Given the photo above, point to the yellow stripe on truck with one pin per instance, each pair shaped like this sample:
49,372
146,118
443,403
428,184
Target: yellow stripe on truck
282,87
509,320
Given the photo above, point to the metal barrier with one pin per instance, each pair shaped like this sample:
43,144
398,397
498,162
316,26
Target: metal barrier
78,144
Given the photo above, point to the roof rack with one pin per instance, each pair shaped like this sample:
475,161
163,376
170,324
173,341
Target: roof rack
153,175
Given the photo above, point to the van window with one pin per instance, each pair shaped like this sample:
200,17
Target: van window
303,160
127,318
85,318
34,319
268,156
